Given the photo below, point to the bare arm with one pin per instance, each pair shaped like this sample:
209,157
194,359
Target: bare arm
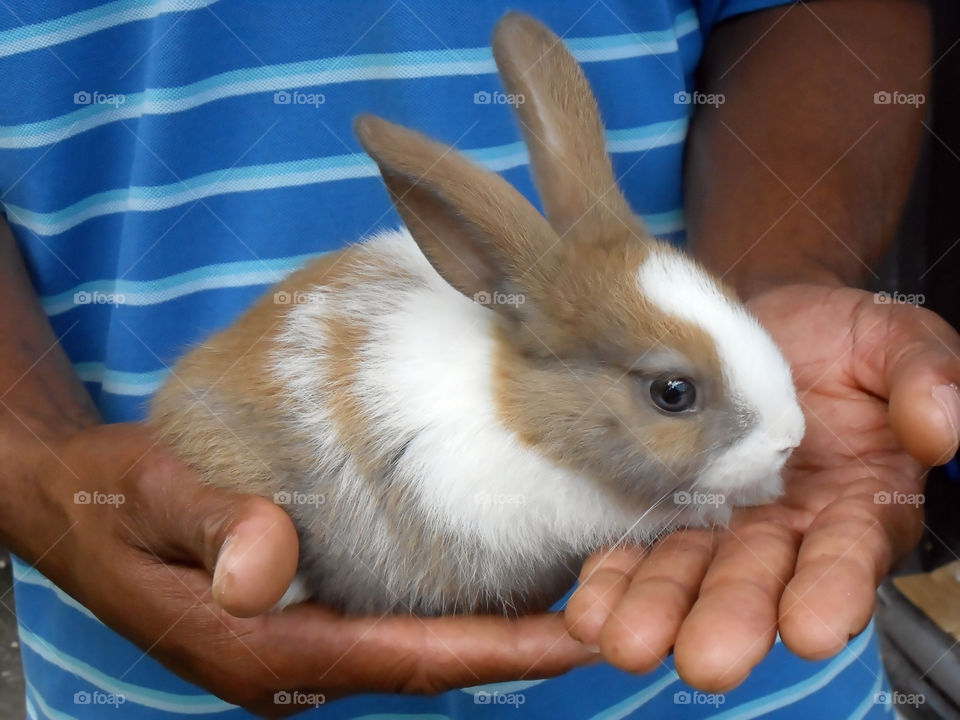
800,175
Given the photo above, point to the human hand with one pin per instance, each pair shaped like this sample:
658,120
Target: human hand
187,571
877,386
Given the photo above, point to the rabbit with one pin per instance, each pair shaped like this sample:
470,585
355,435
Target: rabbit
456,413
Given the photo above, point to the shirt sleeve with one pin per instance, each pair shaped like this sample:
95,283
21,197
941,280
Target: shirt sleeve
713,12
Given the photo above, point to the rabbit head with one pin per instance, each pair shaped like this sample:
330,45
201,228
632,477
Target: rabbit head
618,355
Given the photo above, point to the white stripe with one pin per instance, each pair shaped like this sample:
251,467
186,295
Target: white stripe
31,710
145,293
77,25
762,706
869,702
343,69
32,576
148,697
626,707
269,177
48,713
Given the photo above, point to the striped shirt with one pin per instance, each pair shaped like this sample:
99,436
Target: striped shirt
163,161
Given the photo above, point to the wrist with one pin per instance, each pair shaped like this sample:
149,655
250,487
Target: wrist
750,282
35,475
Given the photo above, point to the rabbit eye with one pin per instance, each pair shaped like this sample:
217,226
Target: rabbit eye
673,393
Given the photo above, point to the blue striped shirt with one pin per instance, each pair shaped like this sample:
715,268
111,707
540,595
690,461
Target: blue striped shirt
163,161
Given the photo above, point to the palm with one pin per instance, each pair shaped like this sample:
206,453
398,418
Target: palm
806,566
833,345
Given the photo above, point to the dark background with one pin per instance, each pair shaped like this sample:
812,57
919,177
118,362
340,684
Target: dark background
927,256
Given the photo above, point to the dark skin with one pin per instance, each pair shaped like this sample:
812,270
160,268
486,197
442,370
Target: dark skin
825,191
156,569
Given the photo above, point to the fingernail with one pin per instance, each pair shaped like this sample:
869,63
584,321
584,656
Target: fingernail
592,648
221,573
948,399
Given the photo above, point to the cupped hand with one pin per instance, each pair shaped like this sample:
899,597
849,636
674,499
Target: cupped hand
877,383
188,573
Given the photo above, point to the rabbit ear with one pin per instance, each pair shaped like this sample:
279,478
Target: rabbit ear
479,233
562,128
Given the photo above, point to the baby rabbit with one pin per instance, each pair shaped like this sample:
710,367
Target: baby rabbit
457,412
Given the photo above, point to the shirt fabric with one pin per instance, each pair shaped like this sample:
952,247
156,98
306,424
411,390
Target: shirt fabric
163,161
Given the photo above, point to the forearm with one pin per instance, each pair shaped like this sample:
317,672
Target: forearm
799,176
38,387
41,402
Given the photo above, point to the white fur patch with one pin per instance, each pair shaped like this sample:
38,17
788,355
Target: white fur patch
295,594
426,373
753,367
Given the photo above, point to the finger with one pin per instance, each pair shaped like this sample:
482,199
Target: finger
643,626
912,357
423,655
845,553
313,648
246,543
603,581
257,555
925,409
733,623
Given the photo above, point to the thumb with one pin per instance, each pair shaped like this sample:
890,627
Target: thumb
246,543
256,549
924,400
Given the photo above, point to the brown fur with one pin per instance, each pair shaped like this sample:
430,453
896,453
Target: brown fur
563,130
238,449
